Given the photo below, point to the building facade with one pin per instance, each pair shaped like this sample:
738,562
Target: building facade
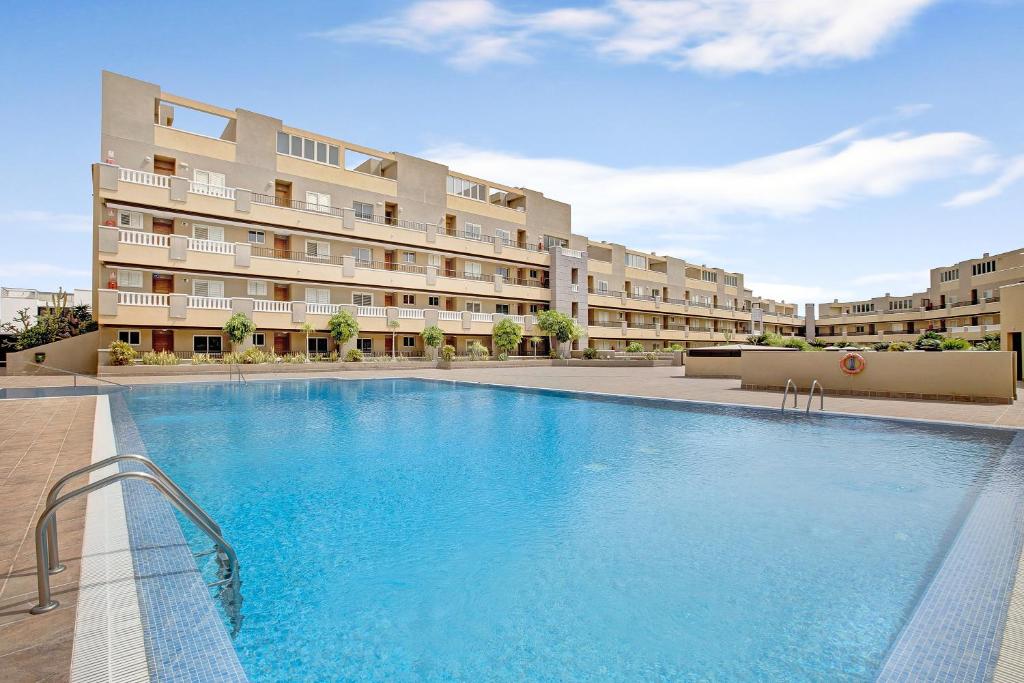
248,214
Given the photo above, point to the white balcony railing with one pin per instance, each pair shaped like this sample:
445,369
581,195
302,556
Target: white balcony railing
574,288
268,306
482,317
211,190
211,246
449,315
147,239
129,175
141,299
209,302
322,309
371,312
521,319
410,313
575,253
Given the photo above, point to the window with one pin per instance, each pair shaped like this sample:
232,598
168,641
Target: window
409,299
732,281
257,237
473,231
362,255
504,236
409,342
863,308
533,274
365,344
534,308
363,210
602,286
362,299
473,270
434,260
466,188
257,287
409,257
212,288
259,339
133,337
208,178
473,306
708,276
202,343
318,295
311,150
318,201
317,345
984,267
638,291
214,233
319,250
501,308
949,275
433,301
550,241
901,305
503,272
129,278
636,261
129,220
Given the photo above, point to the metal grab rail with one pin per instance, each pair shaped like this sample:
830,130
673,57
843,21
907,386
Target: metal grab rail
55,566
785,394
81,374
228,581
821,396
233,368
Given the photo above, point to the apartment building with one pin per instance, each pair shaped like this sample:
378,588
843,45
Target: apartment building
201,212
961,300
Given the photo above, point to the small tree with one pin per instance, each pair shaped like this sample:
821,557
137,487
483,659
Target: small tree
393,325
536,342
433,337
559,326
343,327
239,328
306,328
507,334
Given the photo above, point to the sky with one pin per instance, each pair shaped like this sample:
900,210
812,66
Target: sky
824,148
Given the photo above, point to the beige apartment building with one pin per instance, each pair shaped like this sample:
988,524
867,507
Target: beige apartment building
287,226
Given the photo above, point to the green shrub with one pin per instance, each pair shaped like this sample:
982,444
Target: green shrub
990,342
502,356
159,358
201,359
354,356
553,354
765,339
447,353
478,351
590,353
928,345
432,336
255,356
955,344
121,353
634,347
880,346
559,326
796,343
239,328
294,358
650,355
507,334
899,346
675,347
343,327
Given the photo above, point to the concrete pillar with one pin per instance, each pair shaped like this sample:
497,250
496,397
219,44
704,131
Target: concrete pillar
467,320
108,176
430,317
528,321
391,313
179,189
431,232
298,312
243,200
109,238
348,219
622,298
810,322
348,266
243,254
243,305
431,276
624,330
498,244
108,302
178,306
498,282
178,246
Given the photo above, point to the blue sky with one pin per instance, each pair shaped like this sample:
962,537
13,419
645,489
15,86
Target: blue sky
823,148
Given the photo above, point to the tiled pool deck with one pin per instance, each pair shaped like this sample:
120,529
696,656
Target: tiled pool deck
40,439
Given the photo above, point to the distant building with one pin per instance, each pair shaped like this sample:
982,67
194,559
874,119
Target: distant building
15,299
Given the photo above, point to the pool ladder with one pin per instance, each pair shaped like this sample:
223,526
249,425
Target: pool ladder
228,585
236,369
810,395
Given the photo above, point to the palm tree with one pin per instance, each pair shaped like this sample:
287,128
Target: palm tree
394,325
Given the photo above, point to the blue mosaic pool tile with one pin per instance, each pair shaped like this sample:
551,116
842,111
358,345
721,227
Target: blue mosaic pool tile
955,632
183,629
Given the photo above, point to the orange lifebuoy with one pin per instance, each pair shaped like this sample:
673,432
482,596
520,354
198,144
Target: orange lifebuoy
852,363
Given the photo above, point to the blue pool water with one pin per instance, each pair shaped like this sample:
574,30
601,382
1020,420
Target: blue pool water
411,530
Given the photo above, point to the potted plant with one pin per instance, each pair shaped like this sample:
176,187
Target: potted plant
40,356
239,328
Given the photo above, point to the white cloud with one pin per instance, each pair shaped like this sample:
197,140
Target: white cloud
46,221
1012,172
792,292
726,36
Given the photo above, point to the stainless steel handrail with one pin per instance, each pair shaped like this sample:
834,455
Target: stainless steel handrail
785,394
55,566
810,396
81,374
196,516
238,369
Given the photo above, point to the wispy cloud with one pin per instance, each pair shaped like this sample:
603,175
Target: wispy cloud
1012,172
46,221
723,36
794,292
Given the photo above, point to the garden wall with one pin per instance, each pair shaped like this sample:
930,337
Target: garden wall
77,354
985,376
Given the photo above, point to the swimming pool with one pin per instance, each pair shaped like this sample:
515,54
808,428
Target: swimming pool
408,529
